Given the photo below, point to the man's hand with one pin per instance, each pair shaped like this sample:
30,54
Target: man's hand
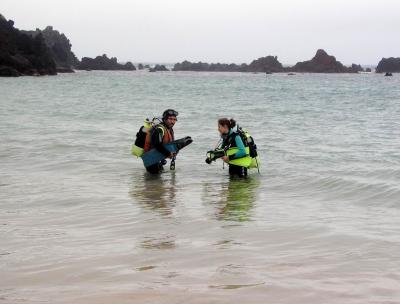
172,155
225,159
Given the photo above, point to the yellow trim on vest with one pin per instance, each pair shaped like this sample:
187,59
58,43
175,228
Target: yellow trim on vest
162,129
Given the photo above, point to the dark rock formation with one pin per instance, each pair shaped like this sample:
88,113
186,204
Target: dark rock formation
355,68
140,66
224,67
189,66
206,67
158,68
21,54
323,63
9,72
129,66
60,48
268,64
104,63
388,65
368,70
388,74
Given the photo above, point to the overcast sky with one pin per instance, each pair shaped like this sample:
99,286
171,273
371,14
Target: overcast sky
218,30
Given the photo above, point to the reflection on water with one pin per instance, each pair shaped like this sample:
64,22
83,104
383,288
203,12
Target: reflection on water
235,286
162,242
154,192
233,199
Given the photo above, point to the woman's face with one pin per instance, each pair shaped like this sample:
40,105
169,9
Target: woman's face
223,129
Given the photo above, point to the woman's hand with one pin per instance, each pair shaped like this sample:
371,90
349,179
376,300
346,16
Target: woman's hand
225,158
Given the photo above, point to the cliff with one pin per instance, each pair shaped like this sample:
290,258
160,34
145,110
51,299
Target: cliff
60,48
21,54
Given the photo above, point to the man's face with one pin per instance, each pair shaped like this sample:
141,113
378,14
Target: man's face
170,122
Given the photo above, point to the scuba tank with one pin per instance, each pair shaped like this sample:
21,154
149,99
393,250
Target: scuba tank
138,147
248,141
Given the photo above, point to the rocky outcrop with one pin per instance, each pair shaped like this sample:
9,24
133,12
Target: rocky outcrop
158,68
206,67
60,48
224,67
324,63
268,64
321,63
104,63
21,54
129,66
189,66
355,68
388,65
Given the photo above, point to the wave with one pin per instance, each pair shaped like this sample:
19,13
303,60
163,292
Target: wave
371,191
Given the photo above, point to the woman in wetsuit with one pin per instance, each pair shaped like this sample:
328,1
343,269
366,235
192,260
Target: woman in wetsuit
231,139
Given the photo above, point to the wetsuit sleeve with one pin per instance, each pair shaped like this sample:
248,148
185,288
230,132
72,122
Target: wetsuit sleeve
157,141
240,146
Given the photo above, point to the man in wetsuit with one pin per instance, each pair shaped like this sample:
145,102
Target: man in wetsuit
162,134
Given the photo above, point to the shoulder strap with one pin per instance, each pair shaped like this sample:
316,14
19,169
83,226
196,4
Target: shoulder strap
230,139
161,127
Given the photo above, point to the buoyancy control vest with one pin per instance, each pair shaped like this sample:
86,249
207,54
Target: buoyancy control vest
167,136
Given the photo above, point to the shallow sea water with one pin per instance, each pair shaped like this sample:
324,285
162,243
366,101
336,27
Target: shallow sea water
81,221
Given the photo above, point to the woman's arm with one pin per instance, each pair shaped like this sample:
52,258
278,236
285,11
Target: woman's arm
240,146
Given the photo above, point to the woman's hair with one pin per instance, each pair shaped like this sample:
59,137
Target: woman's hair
230,123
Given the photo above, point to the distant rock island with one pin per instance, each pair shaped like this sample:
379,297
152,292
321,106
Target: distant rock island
263,64
22,54
206,67
388,65
268,64
60,48
320,63
324,63
158,68
104,63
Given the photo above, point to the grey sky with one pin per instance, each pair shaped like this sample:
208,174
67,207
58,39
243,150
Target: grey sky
218,30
